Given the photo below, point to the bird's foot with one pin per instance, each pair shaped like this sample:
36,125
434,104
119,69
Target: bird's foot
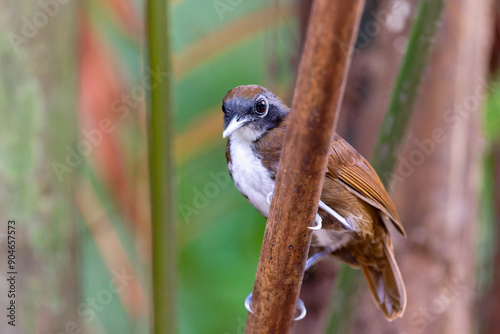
269,198
301,308
248,300
319,223
334,213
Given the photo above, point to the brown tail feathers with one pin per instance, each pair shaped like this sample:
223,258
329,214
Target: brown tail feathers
386,284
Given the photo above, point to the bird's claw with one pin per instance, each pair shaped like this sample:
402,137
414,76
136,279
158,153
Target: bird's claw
302,310
248,300
269,198
319,223
300,307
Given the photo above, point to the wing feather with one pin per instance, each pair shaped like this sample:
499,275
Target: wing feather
346,164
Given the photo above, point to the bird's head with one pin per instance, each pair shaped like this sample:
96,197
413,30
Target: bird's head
250,111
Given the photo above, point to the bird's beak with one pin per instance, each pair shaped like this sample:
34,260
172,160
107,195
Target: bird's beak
234,125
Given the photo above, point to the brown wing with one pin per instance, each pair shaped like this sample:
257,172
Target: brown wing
346,164
269,147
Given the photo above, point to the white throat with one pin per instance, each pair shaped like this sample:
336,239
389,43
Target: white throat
248,133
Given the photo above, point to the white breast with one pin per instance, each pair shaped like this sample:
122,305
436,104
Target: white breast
252,179
249,175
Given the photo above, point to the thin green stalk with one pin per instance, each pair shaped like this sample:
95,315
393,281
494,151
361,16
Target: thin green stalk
392,132
405,90
161,170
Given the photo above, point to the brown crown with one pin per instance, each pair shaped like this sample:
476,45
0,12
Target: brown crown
245,92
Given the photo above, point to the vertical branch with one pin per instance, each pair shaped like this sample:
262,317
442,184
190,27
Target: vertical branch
161,172
317,96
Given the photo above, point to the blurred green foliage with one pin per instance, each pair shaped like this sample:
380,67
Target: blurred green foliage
488,218
219,233
492,111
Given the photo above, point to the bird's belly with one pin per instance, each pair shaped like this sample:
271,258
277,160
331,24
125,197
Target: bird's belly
255,187
331,238
258,200
250,177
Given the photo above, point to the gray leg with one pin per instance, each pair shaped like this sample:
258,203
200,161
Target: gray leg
311,261
334,213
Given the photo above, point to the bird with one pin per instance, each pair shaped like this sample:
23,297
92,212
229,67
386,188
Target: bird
354,211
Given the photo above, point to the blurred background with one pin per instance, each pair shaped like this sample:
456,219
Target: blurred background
74,169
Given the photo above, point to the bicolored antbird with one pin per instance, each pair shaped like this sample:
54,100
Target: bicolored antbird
354,209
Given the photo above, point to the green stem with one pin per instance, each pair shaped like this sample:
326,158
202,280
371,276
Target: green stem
161,170
405,90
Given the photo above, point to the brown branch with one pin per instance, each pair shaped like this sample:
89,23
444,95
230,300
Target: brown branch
317,96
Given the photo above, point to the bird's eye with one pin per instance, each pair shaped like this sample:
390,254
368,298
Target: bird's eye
261,106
